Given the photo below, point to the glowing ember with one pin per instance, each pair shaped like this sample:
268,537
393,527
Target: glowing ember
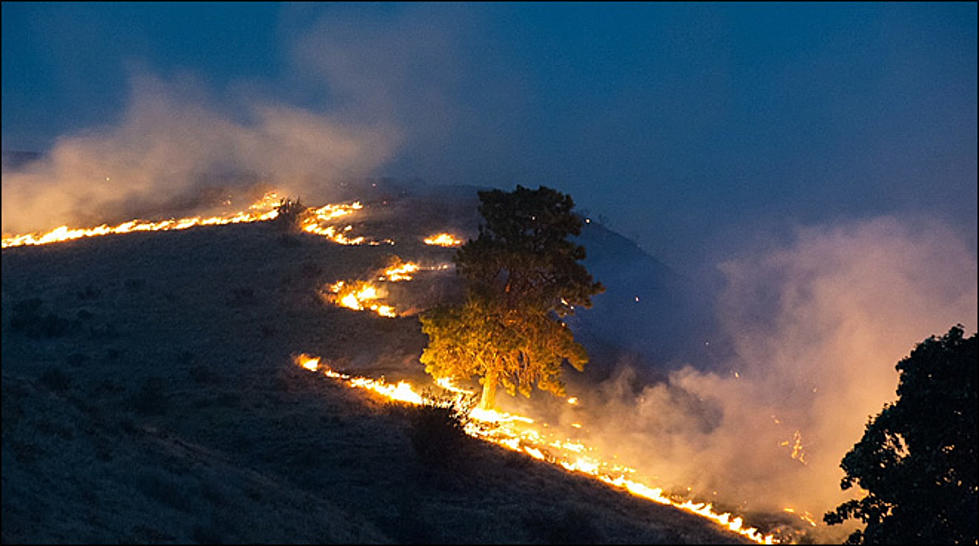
443,239
797,452
261,210
805,516
516,433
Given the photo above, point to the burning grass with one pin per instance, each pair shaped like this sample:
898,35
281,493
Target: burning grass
519,433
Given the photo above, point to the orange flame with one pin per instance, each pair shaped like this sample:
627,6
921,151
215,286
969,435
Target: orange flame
516,432
261,210
443,239
360,296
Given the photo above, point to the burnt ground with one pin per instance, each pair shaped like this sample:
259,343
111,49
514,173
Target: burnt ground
149,395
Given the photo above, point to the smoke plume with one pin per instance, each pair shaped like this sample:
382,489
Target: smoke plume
175,150
817,326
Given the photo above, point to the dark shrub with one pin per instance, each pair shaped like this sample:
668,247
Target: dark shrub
437,436
291,214
203,375
573,526
241,296
150,399
55,379
164,489
27,317
135,284
88,293
76,359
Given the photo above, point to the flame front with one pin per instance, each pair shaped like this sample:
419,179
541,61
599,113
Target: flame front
316,221
360,296
400,271
260,211
517,433
443,239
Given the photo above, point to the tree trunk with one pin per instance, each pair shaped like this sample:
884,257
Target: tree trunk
488,401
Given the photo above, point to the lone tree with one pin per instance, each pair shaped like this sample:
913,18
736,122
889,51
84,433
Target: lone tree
522,277
917,458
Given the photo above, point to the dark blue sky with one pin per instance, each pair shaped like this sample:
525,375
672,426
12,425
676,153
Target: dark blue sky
690,126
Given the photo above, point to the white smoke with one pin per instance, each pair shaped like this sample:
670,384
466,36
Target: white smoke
172,144
818,326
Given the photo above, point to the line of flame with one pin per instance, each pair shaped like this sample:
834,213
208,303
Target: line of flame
443,239
489,426
260,211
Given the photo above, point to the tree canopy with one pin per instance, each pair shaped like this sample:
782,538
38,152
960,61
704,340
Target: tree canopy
522,276
917,458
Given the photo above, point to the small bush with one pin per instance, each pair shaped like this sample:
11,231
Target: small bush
55,379
311,270
90,292
164,489
242,295
135,284
573,526
204,375
76,359
437,436
291,214
150,398
103,331
266,331
27,317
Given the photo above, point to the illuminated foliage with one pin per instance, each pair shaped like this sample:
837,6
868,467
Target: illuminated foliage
917,458
522,276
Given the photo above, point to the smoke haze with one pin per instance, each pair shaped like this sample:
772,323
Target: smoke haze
174,147
817,326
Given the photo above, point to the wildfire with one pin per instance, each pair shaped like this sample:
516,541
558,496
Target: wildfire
400,271
360,296
261,210
363,295
315,220
517,433
443,239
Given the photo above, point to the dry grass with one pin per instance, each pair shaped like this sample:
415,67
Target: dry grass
174,413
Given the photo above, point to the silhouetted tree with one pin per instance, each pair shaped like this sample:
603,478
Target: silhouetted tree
522,276
917,458
290,214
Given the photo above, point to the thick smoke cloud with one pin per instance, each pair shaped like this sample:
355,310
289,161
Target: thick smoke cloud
174,149
818,326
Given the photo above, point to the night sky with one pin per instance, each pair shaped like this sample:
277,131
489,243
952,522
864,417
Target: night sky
691,127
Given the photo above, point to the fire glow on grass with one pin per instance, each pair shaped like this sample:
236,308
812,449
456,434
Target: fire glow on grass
261,210
443,239
518,433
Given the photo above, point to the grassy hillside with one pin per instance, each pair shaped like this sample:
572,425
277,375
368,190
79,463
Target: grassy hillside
149,395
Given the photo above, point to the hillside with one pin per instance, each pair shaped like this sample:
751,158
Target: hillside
149,395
